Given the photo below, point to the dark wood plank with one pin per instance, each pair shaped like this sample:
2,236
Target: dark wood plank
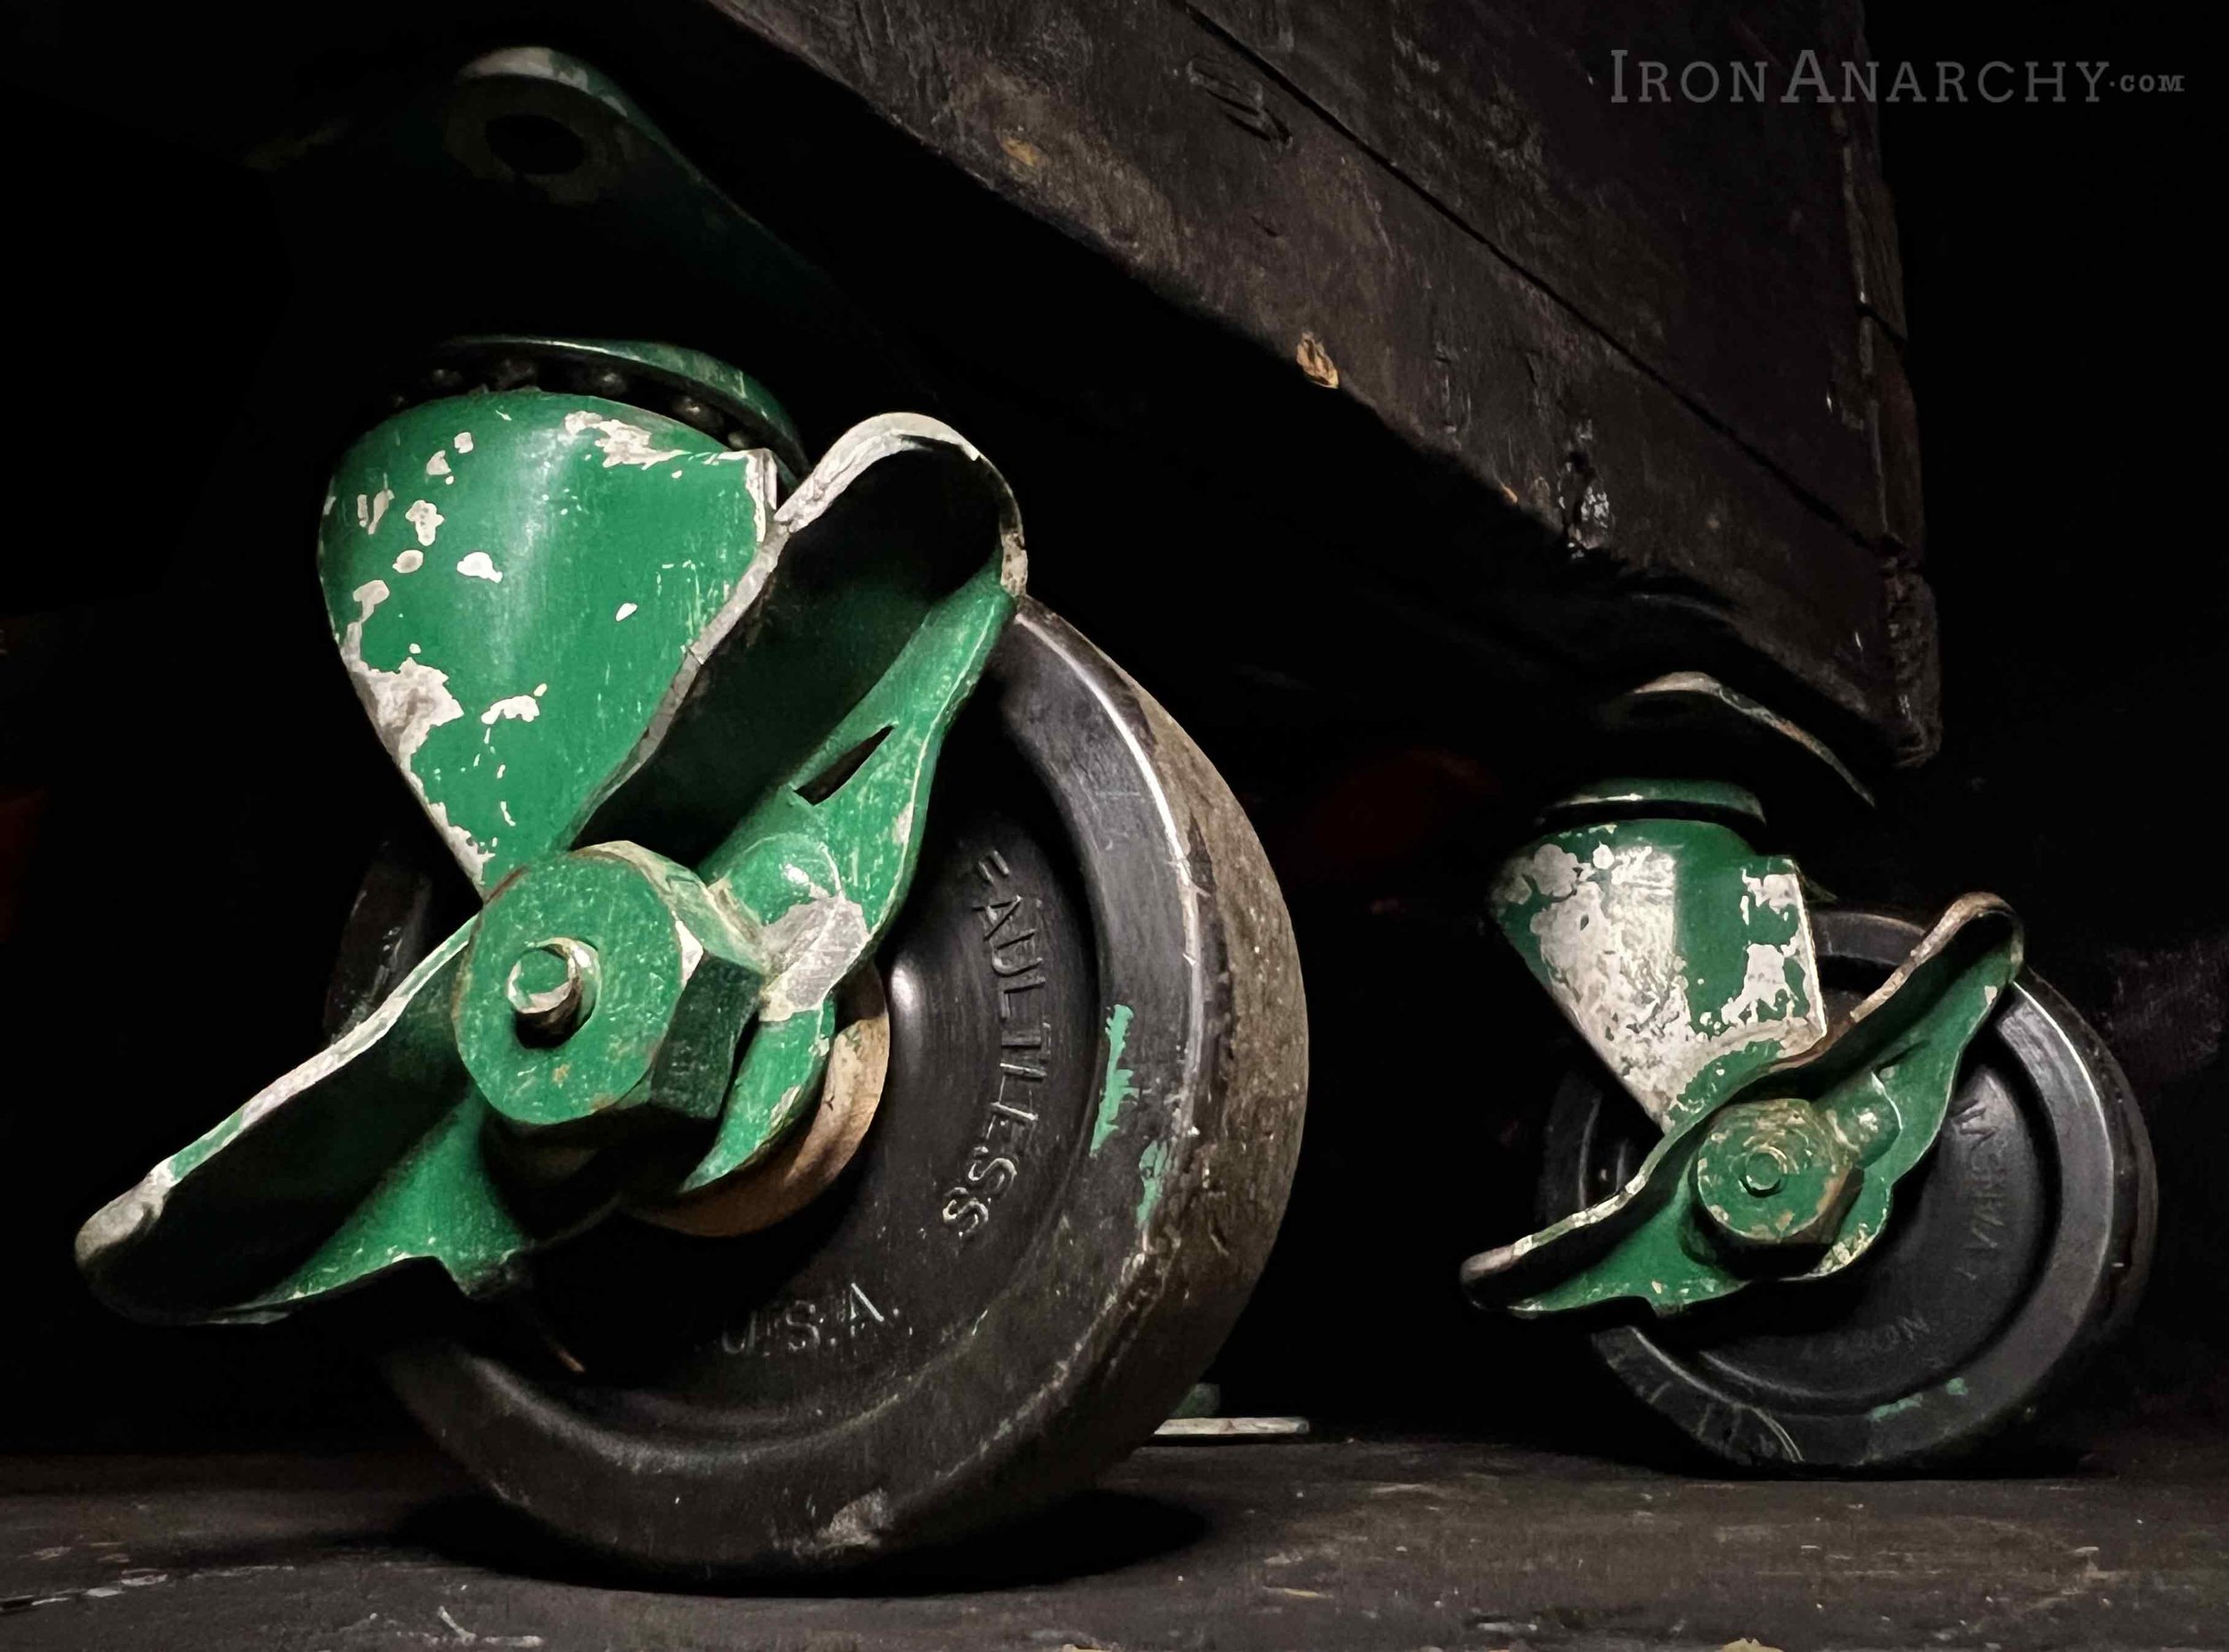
1704,240
1117,216
1144,132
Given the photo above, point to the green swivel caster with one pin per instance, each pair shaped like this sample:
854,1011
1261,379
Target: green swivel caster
1836,1189
861,1078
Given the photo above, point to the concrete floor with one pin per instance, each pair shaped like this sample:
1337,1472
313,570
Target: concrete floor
1317,1544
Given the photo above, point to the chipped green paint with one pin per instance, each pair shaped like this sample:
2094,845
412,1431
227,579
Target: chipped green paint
762,421
1955,1387
171,1247
817,876
1880,1090
612,587
1682,956
1684,959
1153,1164
511,664
1118,1088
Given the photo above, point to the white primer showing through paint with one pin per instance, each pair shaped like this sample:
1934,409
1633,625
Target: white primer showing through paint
370,510
477,565
816,943
621,443
406,705
424,519
1608,937
522,706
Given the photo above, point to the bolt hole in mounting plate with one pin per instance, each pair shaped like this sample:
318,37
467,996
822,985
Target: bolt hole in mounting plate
526,156
2014,1248
558,210
533,146
529,116
1074,1172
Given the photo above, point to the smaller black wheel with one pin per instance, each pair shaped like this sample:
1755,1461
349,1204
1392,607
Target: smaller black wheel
2014,1251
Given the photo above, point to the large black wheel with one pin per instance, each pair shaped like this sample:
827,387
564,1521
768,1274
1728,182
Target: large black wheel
2017,1248
1097,1061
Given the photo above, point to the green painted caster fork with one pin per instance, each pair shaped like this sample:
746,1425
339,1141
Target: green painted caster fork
548,603
1786,1131
762,1111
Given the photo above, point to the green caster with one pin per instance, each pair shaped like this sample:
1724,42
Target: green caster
829,1072
1836,1189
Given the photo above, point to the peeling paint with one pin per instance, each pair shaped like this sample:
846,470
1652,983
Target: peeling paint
1119,1086
478,565
370,509
410,562
1773,891
621,443
624,609
406,704
423,517
1153,1165
438,465
814,945
524,707
1608,937
464,443
856,1525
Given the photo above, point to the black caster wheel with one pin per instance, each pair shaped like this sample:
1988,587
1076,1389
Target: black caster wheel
2014,1251
1095,1072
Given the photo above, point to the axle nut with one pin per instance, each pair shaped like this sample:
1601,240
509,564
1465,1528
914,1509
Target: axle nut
629,938
1763,1172
1773,1173
552,989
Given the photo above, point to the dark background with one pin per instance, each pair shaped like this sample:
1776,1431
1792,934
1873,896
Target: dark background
165,949
2058,343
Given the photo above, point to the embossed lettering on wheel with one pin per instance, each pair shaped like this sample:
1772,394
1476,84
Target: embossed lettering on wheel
998,1295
